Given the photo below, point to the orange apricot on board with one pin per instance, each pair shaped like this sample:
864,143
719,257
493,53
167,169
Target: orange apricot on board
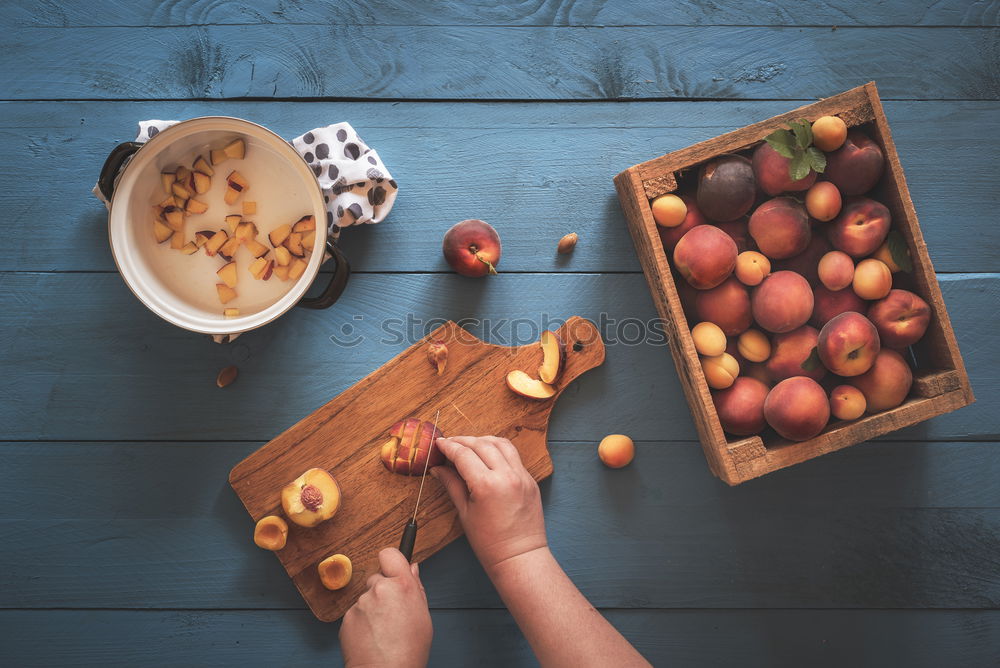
335,571
616,450
271,533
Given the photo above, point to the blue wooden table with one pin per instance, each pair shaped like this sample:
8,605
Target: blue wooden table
121,541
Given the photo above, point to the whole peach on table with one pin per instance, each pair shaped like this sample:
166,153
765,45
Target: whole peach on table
782,302
669,210
872,279
709,339
727,305
740,406
616,450
848,344
780,228
472,248
737,229
823,201
901,318
705,256
847,402
790,351
772,172
752,267
754,345
720,371
829,133
797,408
726,187
836,270
886,384
861,227
806,263
856,166
669,236
829,303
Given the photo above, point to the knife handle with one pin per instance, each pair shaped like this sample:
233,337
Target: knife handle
408,540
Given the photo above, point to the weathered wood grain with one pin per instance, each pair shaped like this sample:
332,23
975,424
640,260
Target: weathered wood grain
63,14
536,171
133,365
908,525
433,62
737,638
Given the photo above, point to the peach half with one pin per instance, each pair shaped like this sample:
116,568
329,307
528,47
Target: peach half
271,533
335,572
410,448
311,498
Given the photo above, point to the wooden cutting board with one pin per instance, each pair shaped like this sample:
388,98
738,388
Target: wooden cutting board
344,437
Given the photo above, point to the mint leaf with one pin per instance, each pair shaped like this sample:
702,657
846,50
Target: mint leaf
798,168
812,362
899,252
817,159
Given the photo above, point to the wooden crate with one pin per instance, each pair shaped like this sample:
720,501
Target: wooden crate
940,381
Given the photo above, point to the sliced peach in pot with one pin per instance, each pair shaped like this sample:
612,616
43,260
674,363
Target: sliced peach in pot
311,498
553,357
410,447
335,572
521,383
271,533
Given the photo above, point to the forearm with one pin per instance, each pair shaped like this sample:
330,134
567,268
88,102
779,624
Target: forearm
561,626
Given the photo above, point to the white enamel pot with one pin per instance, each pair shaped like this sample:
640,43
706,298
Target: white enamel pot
181,288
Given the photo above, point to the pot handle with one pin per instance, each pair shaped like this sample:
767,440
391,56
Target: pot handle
119,154
337,284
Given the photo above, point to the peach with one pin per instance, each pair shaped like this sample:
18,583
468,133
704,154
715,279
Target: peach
737,229
861,227
780,228
726,188
740,406
752,267
727,305
705,256
311,498
789,354
872,279
830,303
410,448
753,345
823,201
773,173
616,451
270,533
472,248
669,236
829,133
847,402
782,302
669,210
797,408
836,270
856,166
901,318
553,357
709,339
757,371
886,384
806,263
335,572
848,344
885,255
720,371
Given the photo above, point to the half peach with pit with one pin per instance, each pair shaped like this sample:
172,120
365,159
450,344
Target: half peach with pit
311,498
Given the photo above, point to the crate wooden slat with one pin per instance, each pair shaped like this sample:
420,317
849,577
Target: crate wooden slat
941,383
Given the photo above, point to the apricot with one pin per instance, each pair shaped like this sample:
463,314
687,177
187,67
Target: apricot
705,256
823,201
311,498
886,384
726,188
271,533
789,351
752,267
847,402
901,318
848,344
773,174
836,270
861,227
806,263
782,302
335,571
720,371
780,228
709,339
797,408
740,406
856,166
727,305
872,279
669,210
669,236
754,345
616,450
829,303
829,133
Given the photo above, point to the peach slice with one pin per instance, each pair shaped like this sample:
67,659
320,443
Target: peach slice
297,268
218,156
553,357
202,182
271,532
281,272
167,181
256,248
233,221
194,207
161,232
226,293
230,312
249,208
282,256
293,242
335,572
410,447
521,383
278,235
304,224
179,190
182,174
227,274
190,248
235,149
311,498
174,217
236,185
213,245
228,249
201,165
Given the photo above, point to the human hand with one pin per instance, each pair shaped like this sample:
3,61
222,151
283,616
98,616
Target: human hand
497,499
390,624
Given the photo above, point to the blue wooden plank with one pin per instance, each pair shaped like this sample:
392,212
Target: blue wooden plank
445,62
60,13
744,639
884,525
84,346
536,171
